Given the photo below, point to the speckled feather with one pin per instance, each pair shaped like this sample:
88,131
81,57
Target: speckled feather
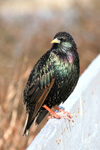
52,80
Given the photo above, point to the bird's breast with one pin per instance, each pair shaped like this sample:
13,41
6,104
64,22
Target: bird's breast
64,66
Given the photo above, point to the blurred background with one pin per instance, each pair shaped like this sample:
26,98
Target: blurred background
26,29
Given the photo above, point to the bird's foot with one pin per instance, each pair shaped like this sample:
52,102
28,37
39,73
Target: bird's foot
60,114
64,112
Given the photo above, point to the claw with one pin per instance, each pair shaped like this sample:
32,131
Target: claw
59,114
64,112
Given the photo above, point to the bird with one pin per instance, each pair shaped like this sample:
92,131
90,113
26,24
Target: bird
52,80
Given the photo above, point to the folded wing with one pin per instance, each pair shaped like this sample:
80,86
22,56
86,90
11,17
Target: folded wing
37,88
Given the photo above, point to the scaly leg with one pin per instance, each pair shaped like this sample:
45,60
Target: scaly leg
57,115
50,111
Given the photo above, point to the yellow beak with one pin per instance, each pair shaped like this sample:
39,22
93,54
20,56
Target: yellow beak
55,41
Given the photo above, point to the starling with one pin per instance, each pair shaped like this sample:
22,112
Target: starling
52,80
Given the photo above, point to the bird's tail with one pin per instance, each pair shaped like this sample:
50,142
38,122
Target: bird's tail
41,116
27,125
30,118
25,130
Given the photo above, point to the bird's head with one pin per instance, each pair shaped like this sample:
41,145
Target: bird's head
64,41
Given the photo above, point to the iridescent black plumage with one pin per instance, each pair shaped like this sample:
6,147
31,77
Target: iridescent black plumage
52,79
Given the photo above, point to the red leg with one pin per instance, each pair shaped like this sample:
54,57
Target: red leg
50,111
57,115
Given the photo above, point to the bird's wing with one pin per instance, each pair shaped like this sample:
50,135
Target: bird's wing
35,100
37,88
42,96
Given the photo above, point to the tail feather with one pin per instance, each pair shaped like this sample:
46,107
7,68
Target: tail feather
27,125
25,130
41,116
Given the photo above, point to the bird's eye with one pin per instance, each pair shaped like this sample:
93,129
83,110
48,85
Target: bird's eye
62,39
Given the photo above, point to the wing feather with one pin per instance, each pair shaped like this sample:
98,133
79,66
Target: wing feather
42,98
37,88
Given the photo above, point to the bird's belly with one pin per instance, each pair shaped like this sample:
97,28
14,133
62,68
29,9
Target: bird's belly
61,89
